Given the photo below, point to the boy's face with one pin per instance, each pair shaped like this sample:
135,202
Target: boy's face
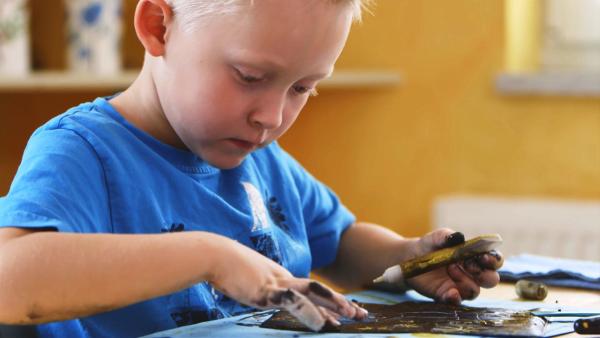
238,81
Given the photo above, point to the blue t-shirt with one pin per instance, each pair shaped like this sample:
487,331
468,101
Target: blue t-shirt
90,171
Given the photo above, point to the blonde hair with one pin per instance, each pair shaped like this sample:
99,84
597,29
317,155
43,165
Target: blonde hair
188,12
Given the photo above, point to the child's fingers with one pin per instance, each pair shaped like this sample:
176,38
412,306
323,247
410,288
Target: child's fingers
335,315
488,279
330,316
361,313
312,303
436,239
319,292
472,266
323,296
298,306
448,293
465,284
492,260
482,270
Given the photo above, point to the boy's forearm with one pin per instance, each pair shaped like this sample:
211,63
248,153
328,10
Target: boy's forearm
365,251
49,276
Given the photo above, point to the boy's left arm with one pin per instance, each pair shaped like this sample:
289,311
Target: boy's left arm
366,250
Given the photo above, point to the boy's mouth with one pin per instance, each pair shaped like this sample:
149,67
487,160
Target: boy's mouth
242,144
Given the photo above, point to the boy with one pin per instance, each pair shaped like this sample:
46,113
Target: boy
171,204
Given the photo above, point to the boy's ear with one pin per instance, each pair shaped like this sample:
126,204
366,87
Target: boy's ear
152,20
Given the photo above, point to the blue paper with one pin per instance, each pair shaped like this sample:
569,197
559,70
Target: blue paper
552,271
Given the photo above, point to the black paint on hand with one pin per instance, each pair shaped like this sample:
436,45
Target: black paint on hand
280,297
320,290
454,239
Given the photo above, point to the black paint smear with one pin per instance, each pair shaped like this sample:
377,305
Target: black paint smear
454,239
281,296
429,317
265,245
191,316
277,215
320,290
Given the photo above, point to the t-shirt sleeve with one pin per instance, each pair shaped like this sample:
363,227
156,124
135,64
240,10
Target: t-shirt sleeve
326,218
59,185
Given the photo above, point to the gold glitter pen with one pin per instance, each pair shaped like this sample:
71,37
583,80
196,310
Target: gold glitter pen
416,266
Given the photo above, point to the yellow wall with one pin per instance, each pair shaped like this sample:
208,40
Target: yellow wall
389,152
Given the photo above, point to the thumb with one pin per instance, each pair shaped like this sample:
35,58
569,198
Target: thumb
442,238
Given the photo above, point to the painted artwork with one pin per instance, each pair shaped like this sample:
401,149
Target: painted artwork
94,36
14,37
429,317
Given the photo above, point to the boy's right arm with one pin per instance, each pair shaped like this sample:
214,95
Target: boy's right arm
50,276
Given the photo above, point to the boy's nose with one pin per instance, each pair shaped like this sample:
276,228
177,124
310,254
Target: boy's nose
269,113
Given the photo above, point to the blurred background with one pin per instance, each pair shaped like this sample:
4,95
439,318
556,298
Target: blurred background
483,116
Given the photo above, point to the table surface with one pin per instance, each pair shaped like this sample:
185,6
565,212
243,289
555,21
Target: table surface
503,295
557,296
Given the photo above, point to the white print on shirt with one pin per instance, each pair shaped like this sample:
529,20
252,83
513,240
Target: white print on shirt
213,293
259,211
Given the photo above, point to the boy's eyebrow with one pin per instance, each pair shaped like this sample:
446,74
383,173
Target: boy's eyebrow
322,75
252,59
263,63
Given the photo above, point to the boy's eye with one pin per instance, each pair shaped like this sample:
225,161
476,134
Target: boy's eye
304,90
247,78
250,79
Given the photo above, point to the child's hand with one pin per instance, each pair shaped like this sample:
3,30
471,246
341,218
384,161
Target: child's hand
456,282
252,279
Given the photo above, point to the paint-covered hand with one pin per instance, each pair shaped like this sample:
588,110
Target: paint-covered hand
252,279
456,282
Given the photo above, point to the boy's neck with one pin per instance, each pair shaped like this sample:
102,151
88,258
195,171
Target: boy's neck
139,105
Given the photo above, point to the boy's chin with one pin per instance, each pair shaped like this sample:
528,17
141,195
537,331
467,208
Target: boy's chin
225,163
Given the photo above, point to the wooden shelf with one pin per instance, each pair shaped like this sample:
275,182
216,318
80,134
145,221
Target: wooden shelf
68,81
360,79
550,83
